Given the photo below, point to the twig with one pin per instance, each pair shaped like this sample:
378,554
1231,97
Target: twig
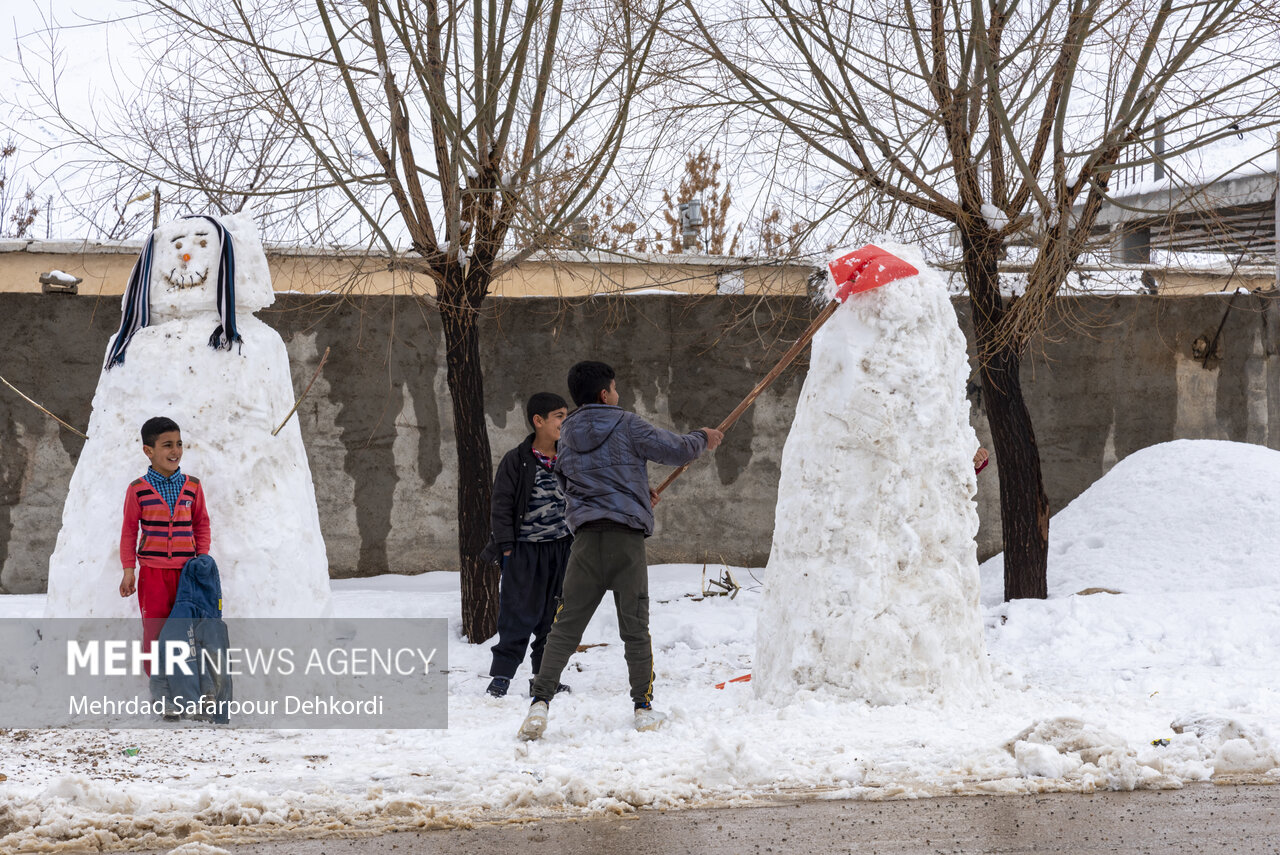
42,409
314,377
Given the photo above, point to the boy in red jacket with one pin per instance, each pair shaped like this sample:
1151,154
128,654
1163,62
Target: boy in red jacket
169,509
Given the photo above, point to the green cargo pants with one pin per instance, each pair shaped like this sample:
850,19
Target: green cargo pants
602,560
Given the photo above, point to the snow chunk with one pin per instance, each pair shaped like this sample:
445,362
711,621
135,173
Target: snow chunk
62,277
1037,760
994,216
198,849
1067,747
1233,745
1071,736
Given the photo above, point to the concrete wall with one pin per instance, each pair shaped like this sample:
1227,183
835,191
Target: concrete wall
378,422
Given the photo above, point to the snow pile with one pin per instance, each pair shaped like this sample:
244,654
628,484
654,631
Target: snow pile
872,584
1234,746
263,518
1071,748
1179,516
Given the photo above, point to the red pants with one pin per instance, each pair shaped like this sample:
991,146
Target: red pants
157,589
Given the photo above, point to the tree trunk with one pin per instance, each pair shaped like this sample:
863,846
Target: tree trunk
1024,508
479,580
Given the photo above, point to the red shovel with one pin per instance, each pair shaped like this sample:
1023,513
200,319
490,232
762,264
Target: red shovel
861,270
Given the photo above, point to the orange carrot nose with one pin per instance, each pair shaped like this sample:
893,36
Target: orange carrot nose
186,256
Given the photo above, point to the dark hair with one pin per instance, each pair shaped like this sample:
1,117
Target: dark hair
587,380
152,428
542,404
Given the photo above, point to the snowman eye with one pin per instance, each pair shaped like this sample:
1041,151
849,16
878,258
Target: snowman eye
178,245
204,243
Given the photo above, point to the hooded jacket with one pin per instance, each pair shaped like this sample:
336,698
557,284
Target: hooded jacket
602,465
196,619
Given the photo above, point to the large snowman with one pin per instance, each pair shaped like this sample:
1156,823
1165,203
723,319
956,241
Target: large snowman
871,591
190,348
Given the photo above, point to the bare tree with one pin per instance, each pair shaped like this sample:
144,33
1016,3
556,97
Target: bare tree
1006,120
19,209
454,137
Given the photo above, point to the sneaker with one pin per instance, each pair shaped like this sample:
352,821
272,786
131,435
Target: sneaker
647,718
535,722
498,686
560,687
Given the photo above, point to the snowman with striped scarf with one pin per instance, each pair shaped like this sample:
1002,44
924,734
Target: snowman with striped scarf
189,347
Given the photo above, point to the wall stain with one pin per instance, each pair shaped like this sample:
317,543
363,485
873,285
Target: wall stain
376,348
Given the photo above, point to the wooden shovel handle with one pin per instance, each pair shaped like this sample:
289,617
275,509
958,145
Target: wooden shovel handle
787,359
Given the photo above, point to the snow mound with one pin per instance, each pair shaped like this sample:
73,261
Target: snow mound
1178,516
872,588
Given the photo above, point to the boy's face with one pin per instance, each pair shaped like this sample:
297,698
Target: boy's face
610,396
166,454
548,427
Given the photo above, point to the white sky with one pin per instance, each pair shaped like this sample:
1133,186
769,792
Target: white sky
88,48
96,60
88,52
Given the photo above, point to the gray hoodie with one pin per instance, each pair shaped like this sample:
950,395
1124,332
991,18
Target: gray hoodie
602,464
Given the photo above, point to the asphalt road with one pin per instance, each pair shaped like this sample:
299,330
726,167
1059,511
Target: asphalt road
1200,818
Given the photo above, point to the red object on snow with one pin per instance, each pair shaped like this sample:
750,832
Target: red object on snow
745,678
866,268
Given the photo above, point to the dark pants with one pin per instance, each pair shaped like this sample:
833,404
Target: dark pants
531,579
603,560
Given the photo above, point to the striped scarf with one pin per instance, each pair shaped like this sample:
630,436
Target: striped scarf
137,297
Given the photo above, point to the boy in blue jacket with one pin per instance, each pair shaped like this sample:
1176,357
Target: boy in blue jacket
602,468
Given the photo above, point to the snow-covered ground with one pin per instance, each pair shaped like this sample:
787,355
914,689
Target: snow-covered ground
1083,685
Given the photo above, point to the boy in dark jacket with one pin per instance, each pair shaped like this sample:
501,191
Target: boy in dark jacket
604,452
530,532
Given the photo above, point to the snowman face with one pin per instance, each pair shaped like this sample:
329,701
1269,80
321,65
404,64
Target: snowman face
186,254
186,258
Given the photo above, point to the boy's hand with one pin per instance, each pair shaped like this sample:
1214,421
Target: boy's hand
128,584
980,458
654,497
713,438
